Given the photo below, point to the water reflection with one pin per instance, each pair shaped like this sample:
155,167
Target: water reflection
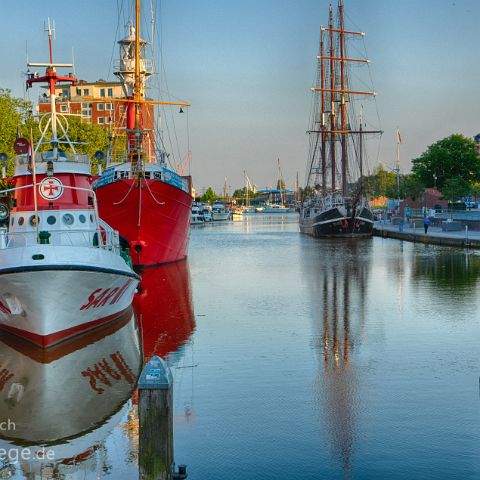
165,310
338,276
62,403
449,271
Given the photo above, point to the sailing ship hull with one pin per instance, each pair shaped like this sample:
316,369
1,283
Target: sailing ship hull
154,217
331,223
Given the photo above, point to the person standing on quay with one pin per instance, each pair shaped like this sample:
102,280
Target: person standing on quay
426,223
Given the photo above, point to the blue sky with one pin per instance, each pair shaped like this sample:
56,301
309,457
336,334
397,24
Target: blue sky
247,68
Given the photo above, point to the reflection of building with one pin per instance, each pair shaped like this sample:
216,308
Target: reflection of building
96,103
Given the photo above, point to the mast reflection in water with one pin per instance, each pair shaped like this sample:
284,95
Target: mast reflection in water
338,290
64,402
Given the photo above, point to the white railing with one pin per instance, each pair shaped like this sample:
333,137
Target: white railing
69,157
105,239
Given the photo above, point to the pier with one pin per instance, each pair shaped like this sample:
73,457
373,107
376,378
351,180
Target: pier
412,232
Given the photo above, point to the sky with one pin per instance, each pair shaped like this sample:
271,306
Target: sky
247,68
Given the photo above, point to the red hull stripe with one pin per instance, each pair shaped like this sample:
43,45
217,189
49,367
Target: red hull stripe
4,308
47,341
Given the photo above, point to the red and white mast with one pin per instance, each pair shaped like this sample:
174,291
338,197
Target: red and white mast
51,78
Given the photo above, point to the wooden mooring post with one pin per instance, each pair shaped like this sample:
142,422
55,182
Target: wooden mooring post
155,413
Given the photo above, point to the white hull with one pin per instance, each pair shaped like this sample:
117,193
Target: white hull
220,216
47,301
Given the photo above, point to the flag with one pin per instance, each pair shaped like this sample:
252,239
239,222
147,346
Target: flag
399,137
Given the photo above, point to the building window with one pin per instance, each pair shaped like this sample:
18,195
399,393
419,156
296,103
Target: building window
108,106
108,119
85,91
110,92
79,92
101,120
63,108
100,107
65,92
102,92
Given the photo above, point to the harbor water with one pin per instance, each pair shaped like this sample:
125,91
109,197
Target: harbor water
292,357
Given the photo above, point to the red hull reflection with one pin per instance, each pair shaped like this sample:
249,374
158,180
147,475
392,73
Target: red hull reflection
164,309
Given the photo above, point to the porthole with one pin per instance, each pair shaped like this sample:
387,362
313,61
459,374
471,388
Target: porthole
21,221
68,219
34,220
51,220
82,218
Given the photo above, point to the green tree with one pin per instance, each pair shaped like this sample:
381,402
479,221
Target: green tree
209,196
456,187
411,187
453,157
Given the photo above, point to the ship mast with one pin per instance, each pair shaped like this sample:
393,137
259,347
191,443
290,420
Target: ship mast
322,119
51,78
343,106
335,89
332,98
138,91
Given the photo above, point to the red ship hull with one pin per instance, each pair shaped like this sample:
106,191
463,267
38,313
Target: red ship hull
153,216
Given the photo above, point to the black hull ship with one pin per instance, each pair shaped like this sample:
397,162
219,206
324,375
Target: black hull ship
334,201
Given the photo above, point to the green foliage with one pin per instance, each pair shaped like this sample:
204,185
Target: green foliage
411,186
381,183
241,193
16,119
453,157
456,187
209,196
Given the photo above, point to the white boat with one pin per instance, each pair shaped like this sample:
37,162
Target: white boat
197,216
62,269
219,212
207,213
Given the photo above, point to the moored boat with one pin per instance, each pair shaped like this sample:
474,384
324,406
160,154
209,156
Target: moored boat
219,212
62,269
138,195
334,203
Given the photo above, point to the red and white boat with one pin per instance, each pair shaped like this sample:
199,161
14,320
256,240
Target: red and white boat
138,195
62,270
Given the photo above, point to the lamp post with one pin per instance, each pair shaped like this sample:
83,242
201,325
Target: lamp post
435,181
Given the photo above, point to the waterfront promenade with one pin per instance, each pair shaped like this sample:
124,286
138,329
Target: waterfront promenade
435,235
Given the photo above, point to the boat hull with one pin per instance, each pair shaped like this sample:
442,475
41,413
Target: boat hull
34,304
331,223
153,217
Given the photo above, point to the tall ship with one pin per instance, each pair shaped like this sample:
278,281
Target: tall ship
62,269
138,194
334,203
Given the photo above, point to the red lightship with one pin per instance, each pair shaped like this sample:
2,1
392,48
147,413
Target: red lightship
138,195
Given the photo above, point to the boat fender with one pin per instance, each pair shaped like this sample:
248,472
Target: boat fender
344,223
357,224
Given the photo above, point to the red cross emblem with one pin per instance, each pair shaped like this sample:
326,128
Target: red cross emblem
51,188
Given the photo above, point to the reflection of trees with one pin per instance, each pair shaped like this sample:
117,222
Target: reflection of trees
453,272
338,277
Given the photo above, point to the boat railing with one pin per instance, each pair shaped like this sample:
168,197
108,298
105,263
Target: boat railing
100,236
62,156
105,239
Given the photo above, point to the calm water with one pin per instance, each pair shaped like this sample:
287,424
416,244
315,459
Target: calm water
293,358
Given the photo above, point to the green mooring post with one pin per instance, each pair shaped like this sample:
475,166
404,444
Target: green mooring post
155,413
